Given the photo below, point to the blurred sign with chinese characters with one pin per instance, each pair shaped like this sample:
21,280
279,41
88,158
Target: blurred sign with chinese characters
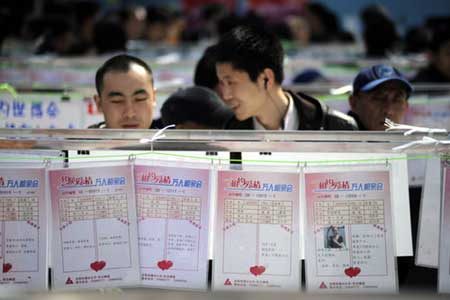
44,110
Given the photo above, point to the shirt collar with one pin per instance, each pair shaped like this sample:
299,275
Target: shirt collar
291,120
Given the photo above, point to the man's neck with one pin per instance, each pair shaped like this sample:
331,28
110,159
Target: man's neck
274,110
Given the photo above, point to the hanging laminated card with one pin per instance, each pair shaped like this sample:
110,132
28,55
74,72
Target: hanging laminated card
23,228
427,249
257,231
173,215
349,244
94,227
444,249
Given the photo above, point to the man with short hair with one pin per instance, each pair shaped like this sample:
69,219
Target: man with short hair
195,107
249,66
379,92
126,95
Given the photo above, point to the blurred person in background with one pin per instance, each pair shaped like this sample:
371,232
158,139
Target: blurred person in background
250,19
324,25
249,65
57,37
379,32
86,16
300,30
164,26
438,68
205,71
158,19
133,20
195,107
202,24
109,37
54,34
176,29
125,93
417,40
379,92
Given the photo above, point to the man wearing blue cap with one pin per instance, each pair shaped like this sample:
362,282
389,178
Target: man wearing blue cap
379,92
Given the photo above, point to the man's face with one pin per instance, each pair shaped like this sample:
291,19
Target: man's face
127,99
242,95
334,230
389,100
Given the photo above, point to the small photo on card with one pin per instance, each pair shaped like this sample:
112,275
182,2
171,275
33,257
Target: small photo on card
334,237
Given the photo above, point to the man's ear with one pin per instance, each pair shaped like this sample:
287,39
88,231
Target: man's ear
98,102
268,78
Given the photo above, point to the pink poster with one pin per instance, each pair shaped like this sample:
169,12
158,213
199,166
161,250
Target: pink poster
349,246
23,229
94,227
444,249
173,214
257,231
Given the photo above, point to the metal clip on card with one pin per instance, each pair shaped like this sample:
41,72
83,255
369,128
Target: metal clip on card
131,158
46,162
426,140
158,135
392,126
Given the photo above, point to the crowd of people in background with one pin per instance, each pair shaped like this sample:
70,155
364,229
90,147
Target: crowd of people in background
84,27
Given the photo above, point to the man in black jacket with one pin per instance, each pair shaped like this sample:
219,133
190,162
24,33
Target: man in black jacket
249,66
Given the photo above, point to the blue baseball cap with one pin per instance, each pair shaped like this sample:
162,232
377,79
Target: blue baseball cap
369,78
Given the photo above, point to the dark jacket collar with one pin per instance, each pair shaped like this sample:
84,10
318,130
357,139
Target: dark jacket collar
312,114
309,110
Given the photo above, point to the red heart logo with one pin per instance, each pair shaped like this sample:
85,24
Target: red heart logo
257,270
352,272
165,264
7,267
98,265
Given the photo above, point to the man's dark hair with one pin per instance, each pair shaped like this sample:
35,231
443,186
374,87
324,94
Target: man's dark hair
195,104
251,50
119,63
379,31
205,70
109,36
440,32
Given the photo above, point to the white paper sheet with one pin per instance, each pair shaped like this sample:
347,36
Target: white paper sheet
23,229
444,249
349,243
257,231
427,253
95,227
173,216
